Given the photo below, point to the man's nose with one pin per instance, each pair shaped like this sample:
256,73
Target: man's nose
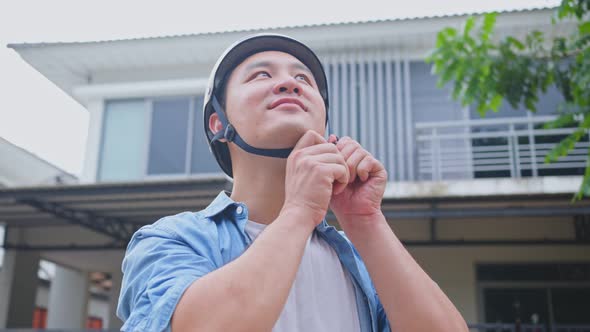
288,85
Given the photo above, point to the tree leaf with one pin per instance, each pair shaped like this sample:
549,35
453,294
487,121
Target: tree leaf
564,146
469,24
562,121
489,21
485,73
496,102
584,189
517,43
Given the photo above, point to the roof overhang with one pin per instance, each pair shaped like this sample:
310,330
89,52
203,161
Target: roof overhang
116,211
76,65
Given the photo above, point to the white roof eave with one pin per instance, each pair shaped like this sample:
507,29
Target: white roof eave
71,66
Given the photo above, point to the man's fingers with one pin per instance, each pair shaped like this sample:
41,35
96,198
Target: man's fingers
333,139
319,149
366,167
338,174
353,162
347,149
344,141
308,139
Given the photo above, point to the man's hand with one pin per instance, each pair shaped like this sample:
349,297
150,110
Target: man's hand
360,200
412,301
315,171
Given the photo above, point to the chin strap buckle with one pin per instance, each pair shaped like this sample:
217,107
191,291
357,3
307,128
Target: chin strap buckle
230,133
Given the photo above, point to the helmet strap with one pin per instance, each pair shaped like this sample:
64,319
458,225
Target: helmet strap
230,134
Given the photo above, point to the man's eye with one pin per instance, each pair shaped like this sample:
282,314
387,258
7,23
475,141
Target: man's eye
302,77
261,74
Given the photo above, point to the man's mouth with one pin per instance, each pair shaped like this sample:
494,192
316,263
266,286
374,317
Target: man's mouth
293,101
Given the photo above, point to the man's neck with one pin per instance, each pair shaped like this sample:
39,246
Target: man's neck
261,186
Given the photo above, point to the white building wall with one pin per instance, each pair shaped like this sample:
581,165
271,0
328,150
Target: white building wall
453,268
42,298
91,159
68,299
97,307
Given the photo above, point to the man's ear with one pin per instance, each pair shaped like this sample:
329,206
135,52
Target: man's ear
215,125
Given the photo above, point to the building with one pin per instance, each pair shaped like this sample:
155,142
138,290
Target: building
20,168
471,198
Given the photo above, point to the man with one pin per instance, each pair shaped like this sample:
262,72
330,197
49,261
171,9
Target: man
264,258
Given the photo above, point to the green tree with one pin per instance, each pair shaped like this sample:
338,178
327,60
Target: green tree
485,73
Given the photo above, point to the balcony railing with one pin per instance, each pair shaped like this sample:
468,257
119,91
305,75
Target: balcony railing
504,147
476,327
481,327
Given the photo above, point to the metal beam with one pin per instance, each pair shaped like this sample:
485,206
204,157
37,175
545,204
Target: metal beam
115,228
459,243
433,232
582,227
524,211
487,212
72,247
204,187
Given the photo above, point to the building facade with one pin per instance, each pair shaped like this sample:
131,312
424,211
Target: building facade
20,168
471,197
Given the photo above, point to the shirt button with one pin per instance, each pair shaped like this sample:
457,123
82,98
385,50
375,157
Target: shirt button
239,209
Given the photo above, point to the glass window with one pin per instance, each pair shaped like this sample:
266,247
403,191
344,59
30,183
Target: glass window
429,102
517,305
571,305
548,104
124,135
168,139
1,244
202,160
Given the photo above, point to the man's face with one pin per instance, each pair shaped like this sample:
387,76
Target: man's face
272,99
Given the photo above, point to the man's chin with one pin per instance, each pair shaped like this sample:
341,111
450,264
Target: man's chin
292,134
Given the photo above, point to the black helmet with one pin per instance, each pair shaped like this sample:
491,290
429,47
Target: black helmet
230,59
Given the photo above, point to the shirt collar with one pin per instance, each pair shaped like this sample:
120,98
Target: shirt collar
219,204
223,201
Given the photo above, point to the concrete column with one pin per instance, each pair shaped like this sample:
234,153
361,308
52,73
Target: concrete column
114,322
68,299
18,285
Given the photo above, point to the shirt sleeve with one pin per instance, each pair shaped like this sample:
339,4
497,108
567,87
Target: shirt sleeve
158,267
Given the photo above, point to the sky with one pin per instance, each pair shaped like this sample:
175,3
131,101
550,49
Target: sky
39,117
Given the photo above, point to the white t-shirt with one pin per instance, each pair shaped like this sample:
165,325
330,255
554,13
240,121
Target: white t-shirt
322,297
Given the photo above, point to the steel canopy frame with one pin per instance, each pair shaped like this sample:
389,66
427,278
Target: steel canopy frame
116,228
57,203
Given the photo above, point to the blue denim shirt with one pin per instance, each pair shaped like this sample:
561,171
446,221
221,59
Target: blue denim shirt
164,258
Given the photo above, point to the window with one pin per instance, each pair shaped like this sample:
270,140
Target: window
153,138
536,293
429,102
2,230
168,139
123,140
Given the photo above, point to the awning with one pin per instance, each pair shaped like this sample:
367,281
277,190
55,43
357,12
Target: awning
117,210
112,209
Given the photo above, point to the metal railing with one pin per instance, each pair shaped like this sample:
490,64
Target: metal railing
476,327
501,327
55,330
503,147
